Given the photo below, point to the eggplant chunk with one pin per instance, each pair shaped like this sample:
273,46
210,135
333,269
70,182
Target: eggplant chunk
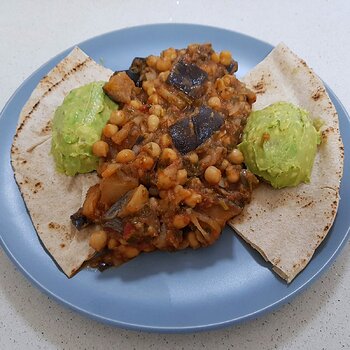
135,70
110,219
206,122
190,132
115,209
233,67
183,135
188,78
79,220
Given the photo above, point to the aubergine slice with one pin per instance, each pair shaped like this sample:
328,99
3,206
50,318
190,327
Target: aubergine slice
135,70
79,220
233,67
183,135
206,122
190,132
110,219
188,78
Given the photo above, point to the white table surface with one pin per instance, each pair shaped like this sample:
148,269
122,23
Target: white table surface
31,32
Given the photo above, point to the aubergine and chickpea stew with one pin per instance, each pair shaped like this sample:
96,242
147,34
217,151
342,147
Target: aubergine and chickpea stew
171,175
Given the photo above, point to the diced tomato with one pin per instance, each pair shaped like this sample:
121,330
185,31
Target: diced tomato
128,230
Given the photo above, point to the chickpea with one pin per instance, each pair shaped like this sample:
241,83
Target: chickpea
109,130
145,163
168,154
215,57
136,104
226,140
225,58
153,99
165,140
120,136
228,93
193,200
117,117
236,156
150,91
227,80
152,149
181,193
181,176
170,54
131,252
220,85
180,221
157,110
214,102
128,252
112,243
100,148
110,169
152,122
163,76
212,175
225,163
98,240
193,240
164,182
149,249
125,156
193,157
148,86
163,64
151,60
232,174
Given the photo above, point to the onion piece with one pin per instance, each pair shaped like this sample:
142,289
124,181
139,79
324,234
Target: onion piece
196,216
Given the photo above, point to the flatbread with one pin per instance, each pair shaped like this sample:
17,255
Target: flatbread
287,225
51,197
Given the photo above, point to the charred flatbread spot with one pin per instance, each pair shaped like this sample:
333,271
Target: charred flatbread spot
318,94
47,128
260,87
308,204
276,260
64,77
62,245
54,225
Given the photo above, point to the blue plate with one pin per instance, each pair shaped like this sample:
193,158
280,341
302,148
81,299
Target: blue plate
165,292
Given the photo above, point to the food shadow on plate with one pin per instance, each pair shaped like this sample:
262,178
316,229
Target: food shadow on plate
158,262
257,257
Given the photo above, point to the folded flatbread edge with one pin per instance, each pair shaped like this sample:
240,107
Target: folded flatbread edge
51,197
286,226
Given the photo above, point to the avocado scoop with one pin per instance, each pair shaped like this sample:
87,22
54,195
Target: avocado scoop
77,125
279,144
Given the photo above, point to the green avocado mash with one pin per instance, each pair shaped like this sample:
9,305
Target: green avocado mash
279,144
77,125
